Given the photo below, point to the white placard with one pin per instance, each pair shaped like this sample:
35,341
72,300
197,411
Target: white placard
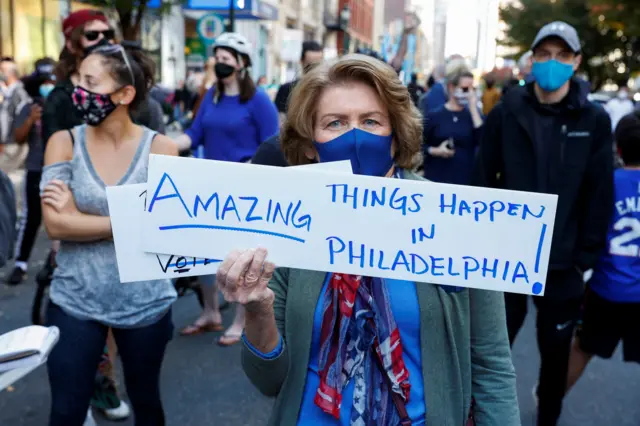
311,219
127,204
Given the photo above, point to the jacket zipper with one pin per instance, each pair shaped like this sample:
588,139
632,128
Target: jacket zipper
563,143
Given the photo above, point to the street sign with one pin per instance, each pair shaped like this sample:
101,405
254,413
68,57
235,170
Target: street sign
209,27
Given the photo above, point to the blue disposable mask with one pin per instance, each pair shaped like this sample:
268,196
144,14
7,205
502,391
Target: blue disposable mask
369,154
45,89
551,75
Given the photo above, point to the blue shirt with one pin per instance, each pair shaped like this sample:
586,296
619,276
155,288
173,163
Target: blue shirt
230,130
616,277
436,97
440,125
406,312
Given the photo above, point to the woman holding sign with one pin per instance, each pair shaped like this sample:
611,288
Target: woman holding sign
431,349
234,118
87,298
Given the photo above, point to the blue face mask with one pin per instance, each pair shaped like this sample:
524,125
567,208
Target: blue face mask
45,89
369,154
551,75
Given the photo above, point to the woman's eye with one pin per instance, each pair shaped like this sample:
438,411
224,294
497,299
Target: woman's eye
370,122
334,124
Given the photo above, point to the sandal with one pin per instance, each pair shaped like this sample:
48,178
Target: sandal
229,339
194,329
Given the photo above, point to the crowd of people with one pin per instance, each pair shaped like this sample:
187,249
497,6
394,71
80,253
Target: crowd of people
331,348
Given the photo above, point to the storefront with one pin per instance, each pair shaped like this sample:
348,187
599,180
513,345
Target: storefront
30,30
250,16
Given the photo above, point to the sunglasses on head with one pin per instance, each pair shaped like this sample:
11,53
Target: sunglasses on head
93,35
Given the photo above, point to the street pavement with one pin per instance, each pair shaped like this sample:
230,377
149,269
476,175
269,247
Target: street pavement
203,384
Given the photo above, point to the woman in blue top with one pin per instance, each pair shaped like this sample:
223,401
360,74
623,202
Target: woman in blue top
233,119
345,350
452,131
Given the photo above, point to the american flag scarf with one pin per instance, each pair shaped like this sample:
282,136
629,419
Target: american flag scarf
356,318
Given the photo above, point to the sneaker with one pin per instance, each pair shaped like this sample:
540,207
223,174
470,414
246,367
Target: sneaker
89,420
17,276
119,413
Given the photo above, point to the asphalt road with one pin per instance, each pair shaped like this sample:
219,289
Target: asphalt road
203,384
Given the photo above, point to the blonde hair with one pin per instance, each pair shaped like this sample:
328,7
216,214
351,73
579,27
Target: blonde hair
457,69
406,121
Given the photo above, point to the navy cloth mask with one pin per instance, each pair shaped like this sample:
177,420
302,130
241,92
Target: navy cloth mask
369,154
551,75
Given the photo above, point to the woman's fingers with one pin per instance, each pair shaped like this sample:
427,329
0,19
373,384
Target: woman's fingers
56,183
267,273
225,266
254,272
238,270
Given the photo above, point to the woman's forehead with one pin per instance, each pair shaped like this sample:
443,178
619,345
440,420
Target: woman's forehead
351,97
96,26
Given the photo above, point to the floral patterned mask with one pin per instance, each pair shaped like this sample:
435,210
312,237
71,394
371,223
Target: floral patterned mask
94,107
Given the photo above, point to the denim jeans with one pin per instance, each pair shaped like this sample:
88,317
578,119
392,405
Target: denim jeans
73,362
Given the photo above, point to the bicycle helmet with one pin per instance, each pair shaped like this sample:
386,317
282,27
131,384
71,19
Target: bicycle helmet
233,41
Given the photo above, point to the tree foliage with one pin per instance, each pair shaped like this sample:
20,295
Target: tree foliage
131,12
608,53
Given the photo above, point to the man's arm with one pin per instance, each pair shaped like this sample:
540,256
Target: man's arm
23,123
596,196
488,170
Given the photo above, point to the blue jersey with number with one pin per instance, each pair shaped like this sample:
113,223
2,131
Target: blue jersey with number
617,275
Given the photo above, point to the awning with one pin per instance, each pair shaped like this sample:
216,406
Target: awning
244,9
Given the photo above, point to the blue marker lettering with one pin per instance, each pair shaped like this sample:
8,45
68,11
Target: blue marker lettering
505,274
435,266
278,211
381,261
422,235
413,235
175,194
353,256
478,211
305,220
378,200
520,274
416,207
205,206
452,205
366,197
399,203
346,196
450,269
332,250
528,212
372,253
333,191
486,269
269,206
230,206
513,209
464,207
496,207
414,267
400,259
467,266
249,217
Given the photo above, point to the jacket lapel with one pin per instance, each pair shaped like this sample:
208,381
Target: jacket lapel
439,351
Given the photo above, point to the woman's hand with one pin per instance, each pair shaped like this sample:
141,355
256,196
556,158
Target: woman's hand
442,150
58,195
243,277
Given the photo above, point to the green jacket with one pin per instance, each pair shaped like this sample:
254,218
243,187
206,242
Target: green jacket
463,339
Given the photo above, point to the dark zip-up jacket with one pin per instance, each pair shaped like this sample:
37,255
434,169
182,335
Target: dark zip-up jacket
563,149
58,112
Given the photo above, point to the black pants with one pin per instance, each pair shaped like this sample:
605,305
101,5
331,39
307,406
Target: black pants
73,362
31,217
555,322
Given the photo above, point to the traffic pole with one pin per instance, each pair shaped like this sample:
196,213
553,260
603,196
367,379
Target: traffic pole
232,16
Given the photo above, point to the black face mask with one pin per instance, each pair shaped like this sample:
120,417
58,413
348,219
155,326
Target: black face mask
223,70
90,49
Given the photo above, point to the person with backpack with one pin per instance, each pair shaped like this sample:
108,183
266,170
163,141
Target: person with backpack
547,137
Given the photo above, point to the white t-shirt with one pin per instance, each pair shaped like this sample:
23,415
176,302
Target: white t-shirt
618,108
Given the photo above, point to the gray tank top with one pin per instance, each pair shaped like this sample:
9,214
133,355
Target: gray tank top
86,282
